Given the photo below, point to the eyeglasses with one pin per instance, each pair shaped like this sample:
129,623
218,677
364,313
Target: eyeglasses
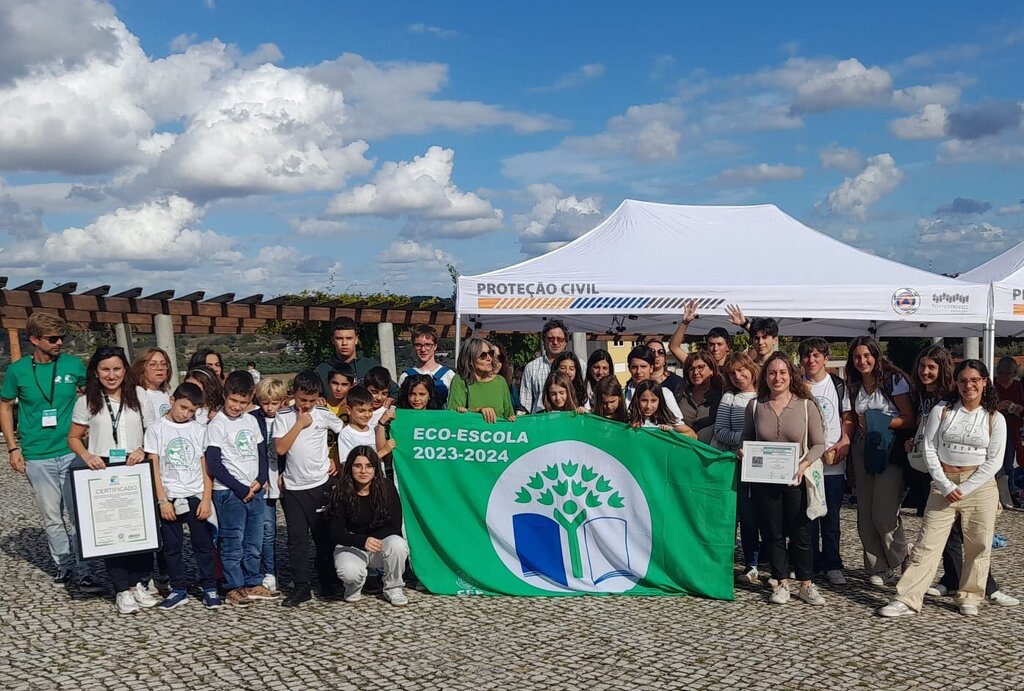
973,381
417,346
699,368
54,339
555,339
485,355
152,364
657,351
109,351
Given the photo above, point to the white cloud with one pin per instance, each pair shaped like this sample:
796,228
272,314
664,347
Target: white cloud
935,230
412,252
571,80
849,234
390,98
421,28
931,122
420,187
307,226
762,172
1011,209
555,219
914,97
847,84
157,234
16,221
643,134
835,157
985,150
857,194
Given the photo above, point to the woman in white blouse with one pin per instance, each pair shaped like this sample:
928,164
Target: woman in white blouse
114,413
964,442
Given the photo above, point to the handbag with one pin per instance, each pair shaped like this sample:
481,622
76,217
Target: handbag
814,479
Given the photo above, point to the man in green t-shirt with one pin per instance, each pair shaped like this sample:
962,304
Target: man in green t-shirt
45,386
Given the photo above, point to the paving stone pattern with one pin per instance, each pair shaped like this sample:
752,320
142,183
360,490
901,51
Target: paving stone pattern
52,637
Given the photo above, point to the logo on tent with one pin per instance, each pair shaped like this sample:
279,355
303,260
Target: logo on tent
567,517
906,301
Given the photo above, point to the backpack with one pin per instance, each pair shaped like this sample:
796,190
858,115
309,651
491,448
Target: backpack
439,385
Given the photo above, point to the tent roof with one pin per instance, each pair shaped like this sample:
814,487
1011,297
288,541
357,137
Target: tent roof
1004,268
1006,274
635,270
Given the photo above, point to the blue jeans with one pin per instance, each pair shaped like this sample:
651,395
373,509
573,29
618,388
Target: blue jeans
269,536
240,531
201,534
825,530
50,482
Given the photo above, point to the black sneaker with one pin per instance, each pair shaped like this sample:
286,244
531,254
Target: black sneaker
374,585
88,585
299,595
63,576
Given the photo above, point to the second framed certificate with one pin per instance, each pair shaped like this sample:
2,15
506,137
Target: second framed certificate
115,510
771,462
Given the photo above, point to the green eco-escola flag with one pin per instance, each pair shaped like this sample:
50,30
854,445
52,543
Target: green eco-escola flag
561,504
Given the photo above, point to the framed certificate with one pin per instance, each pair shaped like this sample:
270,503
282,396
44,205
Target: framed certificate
771,462
115,510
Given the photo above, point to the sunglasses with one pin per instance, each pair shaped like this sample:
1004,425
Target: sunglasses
109,351
485,355
54,339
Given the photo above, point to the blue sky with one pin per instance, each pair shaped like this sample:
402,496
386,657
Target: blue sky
270,147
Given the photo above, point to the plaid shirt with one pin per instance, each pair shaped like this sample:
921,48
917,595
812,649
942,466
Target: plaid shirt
531,391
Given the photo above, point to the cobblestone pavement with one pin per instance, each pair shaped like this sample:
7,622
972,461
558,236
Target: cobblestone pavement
51,637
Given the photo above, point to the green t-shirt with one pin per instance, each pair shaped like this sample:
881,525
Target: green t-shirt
31,386
482,394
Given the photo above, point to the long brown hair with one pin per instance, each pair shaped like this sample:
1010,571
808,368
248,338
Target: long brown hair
344,495
662,416
93,388
558,378
885,373
944,385
609,386
796,384
142,360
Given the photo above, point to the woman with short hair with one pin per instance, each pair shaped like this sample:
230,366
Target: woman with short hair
701,394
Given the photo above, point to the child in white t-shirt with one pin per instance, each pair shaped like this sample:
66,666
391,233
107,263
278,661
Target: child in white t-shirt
359,431
271,395
175,444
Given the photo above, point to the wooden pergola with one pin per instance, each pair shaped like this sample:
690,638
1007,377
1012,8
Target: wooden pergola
194,313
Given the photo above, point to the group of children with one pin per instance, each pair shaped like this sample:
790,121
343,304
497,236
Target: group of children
224,475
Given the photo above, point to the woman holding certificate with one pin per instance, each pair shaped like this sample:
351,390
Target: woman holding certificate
964,442
113,412
785,412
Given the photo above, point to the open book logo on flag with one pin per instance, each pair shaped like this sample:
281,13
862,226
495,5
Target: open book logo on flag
568,516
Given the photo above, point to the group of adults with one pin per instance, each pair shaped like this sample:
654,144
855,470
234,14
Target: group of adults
868,430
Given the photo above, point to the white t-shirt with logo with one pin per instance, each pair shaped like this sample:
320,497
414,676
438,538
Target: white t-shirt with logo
179,447
832,409
238,440
349,438
877,399
308,461
160,400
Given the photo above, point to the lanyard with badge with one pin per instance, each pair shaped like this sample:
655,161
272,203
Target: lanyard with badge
49,414
116,455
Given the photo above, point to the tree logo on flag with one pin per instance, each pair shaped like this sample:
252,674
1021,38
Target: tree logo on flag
568,516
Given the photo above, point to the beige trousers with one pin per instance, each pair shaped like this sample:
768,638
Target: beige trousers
878,513
977,512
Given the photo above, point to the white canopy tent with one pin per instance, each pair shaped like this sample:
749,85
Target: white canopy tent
1005,275
634,272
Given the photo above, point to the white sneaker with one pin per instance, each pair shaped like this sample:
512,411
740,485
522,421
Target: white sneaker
126,603
938,590
969,610
142,596
151,588
396,596
836,577
270,583
752,576
809,594
1001,598
780,594
884,578
895,609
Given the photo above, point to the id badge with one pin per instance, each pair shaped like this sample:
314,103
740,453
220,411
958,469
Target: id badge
50,417
118,456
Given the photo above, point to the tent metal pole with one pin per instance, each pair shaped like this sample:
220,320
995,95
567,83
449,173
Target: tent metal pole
458,323
990,332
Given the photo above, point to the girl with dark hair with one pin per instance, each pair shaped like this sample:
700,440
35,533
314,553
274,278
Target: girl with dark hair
874,383
418,392
568,364
503,368
701,394
647,409
931,382
609,400
599,366
784,411
152,370
476,388
964,442
207,357
365,523
213,392
670,381
559,394
114,414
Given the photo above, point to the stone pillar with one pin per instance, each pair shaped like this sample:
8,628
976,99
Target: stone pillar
123,332
579,346
386,336
972,348
164,328
14,344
